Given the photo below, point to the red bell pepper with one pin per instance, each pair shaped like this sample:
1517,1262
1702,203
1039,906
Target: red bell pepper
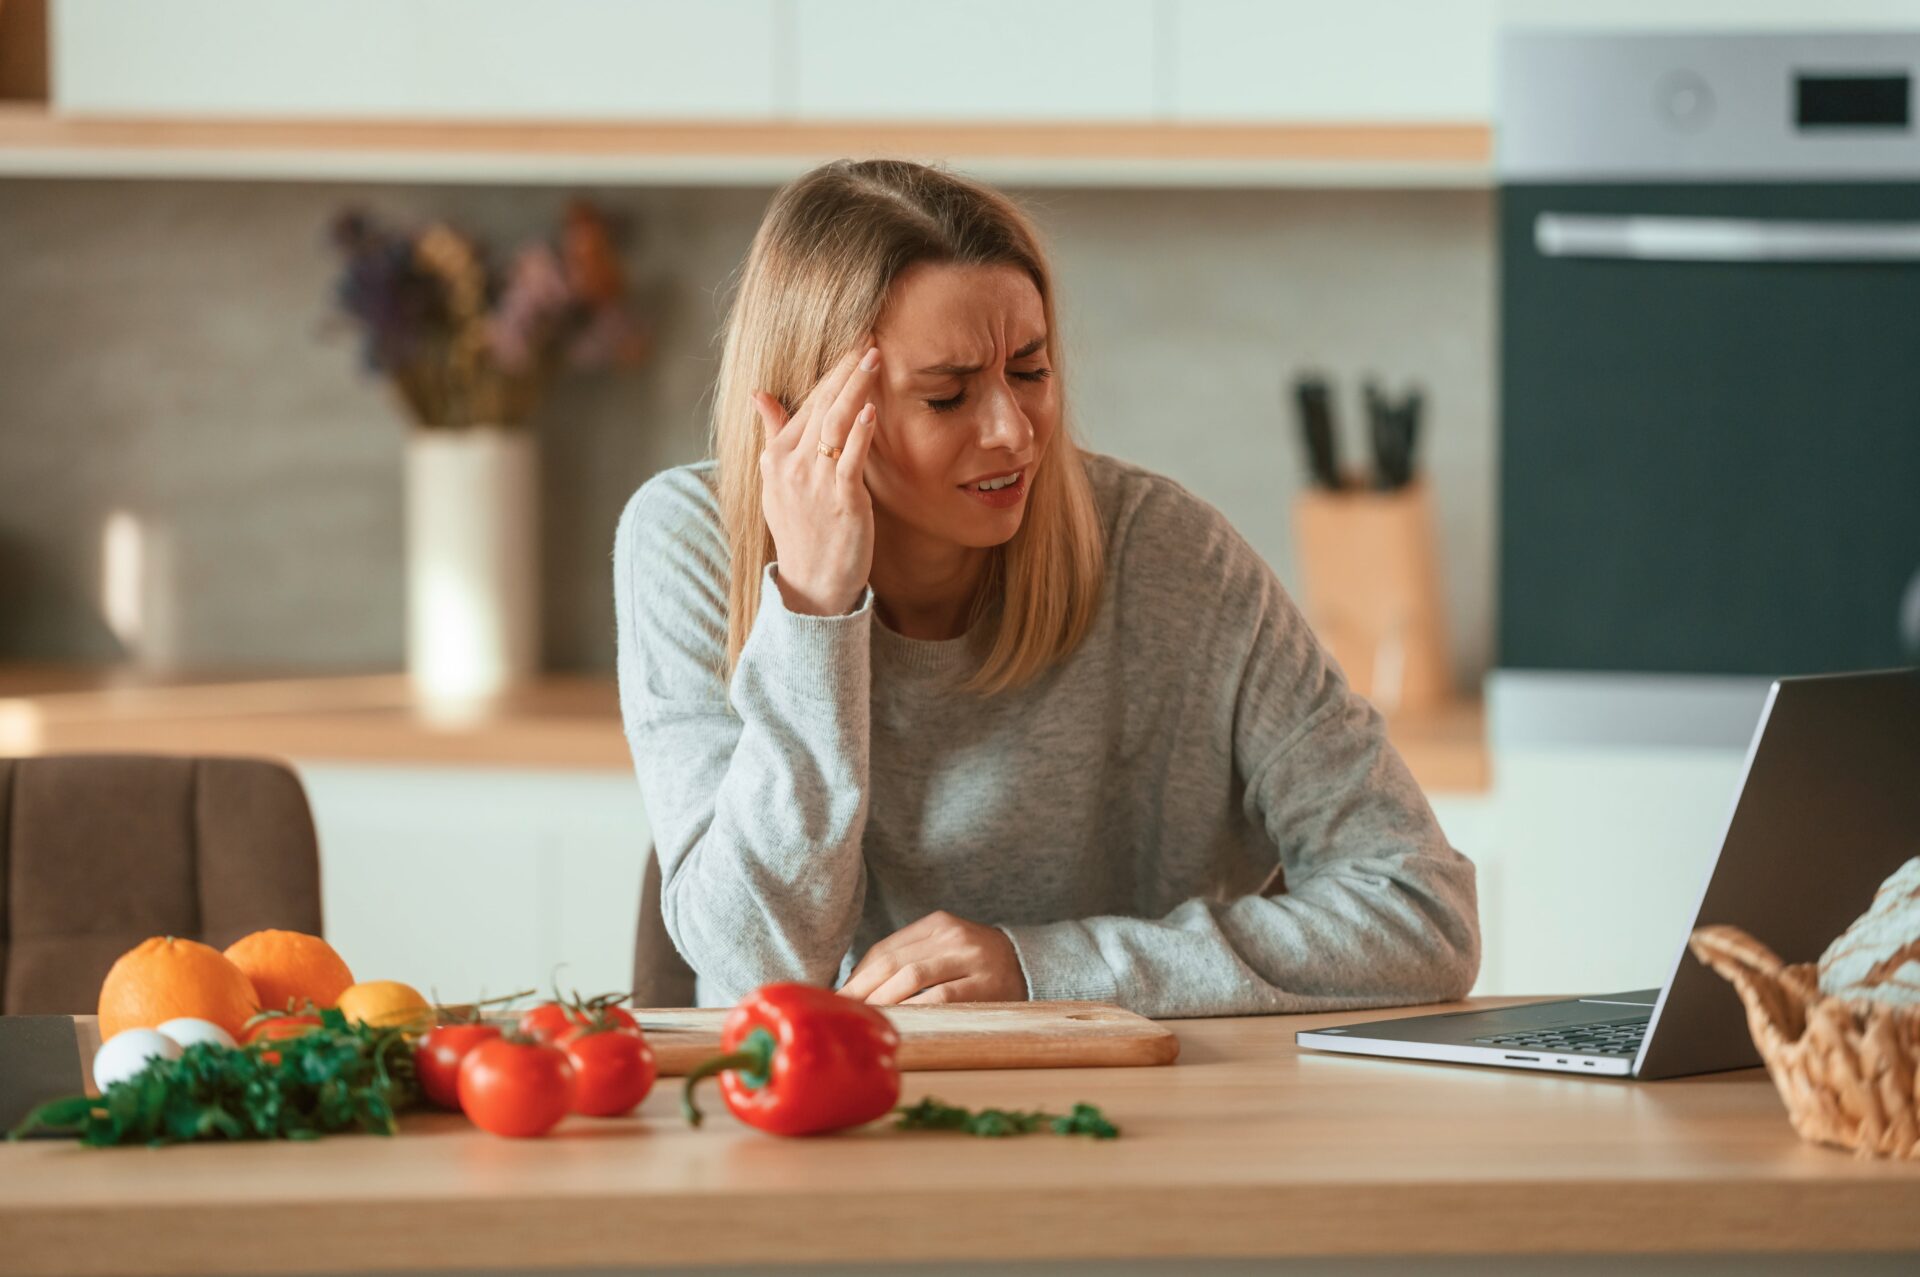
800,1060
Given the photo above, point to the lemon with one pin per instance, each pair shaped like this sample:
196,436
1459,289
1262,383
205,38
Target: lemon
385,1004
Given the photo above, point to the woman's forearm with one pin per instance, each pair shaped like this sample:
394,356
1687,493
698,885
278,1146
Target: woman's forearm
1373,931
755,791
761,870
771,886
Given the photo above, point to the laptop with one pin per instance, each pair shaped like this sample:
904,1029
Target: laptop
1827,808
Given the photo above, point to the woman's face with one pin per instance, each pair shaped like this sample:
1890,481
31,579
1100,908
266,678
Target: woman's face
965,394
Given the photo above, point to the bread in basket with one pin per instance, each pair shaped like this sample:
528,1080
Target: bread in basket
1841,1037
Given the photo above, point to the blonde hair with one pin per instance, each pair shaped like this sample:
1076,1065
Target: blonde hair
814,281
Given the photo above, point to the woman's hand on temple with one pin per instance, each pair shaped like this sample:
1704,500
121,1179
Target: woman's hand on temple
941,958
816,506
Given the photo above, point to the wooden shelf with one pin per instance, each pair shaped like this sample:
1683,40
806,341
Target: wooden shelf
35,142
558,722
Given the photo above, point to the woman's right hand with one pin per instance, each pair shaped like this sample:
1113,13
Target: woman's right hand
816,506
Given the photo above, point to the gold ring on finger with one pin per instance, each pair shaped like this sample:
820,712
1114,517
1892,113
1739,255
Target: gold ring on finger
829,450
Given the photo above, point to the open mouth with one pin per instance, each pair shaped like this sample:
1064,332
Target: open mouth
1000,491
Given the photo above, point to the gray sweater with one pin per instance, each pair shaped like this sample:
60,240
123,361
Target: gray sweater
1193,814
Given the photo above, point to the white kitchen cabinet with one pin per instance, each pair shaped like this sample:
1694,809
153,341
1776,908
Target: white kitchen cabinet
1361,61
1019,61
421,60
1590,862
1599,859
470,881
1004,60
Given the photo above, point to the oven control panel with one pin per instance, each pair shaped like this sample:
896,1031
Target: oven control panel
1652,105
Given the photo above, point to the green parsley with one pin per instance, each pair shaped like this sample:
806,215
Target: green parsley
337,1077
931,1115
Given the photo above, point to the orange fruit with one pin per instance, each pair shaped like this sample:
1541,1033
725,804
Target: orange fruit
386,1004
290,969
162,978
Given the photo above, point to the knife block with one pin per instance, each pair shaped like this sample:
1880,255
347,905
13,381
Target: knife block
1371,581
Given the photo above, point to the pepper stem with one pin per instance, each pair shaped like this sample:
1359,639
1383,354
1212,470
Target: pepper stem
754,1058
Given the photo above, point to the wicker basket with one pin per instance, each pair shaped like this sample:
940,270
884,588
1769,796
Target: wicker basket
1845,1069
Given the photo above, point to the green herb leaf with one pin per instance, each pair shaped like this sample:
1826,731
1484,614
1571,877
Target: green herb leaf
931,1115
338,1077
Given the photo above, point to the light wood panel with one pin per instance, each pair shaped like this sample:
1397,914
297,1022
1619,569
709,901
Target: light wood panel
1430,143
1248,1146
556,722
980,1035
34,140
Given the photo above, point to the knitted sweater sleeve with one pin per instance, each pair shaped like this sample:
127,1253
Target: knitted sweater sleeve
756,789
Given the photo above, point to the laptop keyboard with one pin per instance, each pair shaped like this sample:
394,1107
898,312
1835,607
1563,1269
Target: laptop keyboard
1601,1037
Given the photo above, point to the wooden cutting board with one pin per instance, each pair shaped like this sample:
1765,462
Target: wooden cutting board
972,1035
975,1035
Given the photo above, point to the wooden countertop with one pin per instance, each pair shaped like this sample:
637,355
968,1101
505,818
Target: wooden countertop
559,722
1247,1146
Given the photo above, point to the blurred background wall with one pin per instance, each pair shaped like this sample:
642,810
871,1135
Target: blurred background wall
166,351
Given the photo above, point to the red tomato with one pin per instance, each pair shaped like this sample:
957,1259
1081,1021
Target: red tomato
620,1018
615,1068
437,1059
551,1021
516,1088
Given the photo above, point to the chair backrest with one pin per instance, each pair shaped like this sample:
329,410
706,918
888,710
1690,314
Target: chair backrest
100,851
661,977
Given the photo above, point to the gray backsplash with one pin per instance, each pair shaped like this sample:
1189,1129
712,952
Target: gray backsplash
165,351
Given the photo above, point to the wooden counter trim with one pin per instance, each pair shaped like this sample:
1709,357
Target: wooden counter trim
560,722
1465,143
1247,1146
36,143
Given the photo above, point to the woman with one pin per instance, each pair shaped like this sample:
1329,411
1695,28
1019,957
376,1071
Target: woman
928,704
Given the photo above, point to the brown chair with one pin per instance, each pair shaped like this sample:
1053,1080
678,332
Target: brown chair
661,977
100,851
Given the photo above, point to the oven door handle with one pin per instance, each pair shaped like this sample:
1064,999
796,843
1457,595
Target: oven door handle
1646,237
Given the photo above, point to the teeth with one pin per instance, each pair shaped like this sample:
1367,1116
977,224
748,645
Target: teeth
994,485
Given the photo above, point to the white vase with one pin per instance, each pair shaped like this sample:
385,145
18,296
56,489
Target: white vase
473,555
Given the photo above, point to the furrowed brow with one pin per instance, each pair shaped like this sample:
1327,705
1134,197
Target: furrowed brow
967,370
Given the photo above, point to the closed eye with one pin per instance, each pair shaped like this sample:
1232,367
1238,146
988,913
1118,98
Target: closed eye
948,405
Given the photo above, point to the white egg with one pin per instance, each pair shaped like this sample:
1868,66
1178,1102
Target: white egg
127,1052
187,1031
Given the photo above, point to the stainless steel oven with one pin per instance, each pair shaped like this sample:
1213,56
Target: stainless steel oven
1709,352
